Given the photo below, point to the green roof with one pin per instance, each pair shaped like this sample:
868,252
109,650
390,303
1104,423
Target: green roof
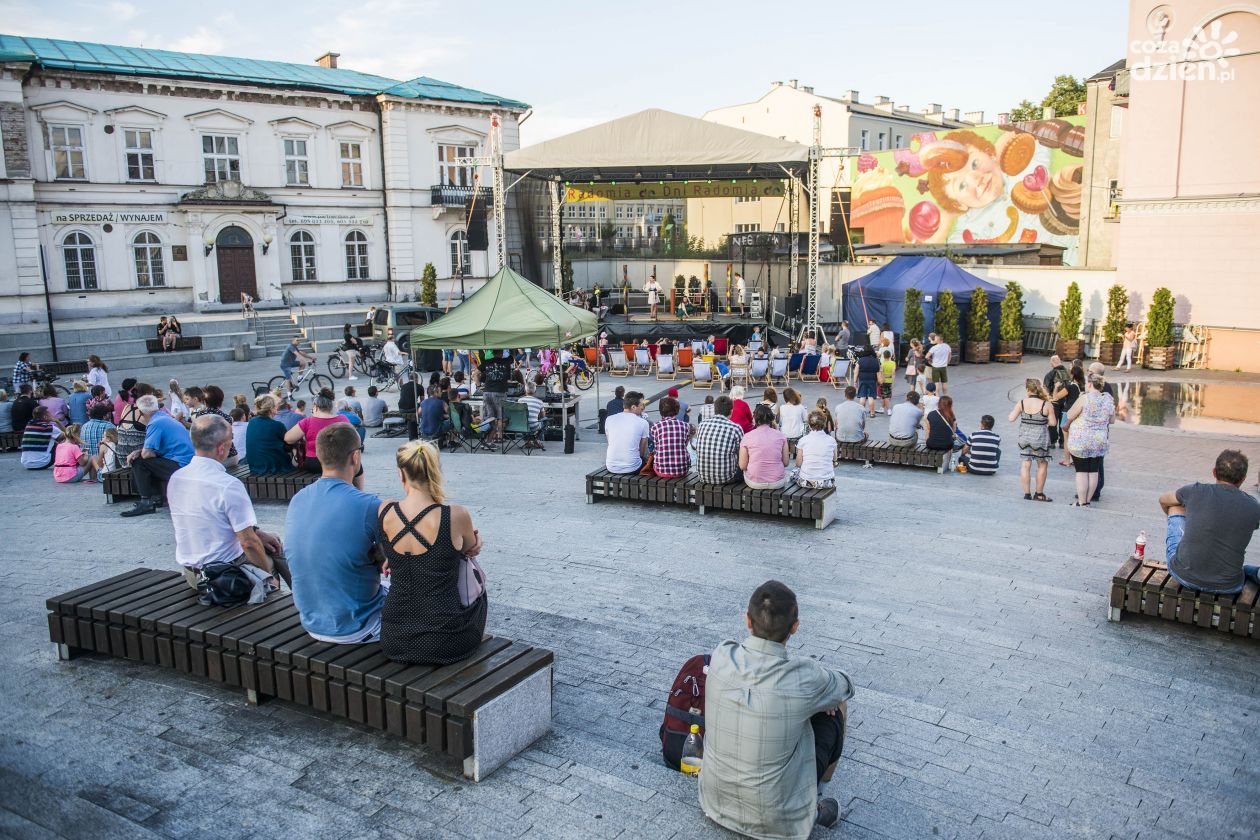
138,61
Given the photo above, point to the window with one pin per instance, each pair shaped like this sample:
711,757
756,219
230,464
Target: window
302,255
460,258
1117,122
752,228
67,150
351,164
138,149
80,257
865,142
296,165
222,157
146,250
899,142
744,199
356,256
883,140
451,173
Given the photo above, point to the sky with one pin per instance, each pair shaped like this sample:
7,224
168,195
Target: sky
579,64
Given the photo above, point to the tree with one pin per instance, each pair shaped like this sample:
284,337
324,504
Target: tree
947,316
978,324
1117,312
1159,321
1011,327
428,285
1070,313
913,315
1066,93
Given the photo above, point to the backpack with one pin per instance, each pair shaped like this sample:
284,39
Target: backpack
684,706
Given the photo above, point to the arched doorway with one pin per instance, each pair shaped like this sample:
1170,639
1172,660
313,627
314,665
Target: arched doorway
235,249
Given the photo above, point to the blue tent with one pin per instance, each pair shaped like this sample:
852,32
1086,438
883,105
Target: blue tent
881,295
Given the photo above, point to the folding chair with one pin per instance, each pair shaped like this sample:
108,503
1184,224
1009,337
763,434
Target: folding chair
642,360
629,349
684,358
618,364
702,375
739,374
794,364
754,346
778,372
759,372
809,367
591,354
665,367
516,431
467,435
719,346
839,373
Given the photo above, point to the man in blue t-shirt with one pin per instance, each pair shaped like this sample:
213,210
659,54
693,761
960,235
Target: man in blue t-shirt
434,421
330,535
167,447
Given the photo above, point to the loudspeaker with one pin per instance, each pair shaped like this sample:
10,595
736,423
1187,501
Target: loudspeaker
478,228
792,306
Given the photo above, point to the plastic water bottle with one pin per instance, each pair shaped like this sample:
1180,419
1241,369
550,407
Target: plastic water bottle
1139,546
693,752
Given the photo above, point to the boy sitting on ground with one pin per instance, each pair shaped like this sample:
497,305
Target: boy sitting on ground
984,449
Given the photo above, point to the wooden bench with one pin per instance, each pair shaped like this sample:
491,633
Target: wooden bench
882,452
480,711
184,342
276,488
117,484
10,441
1145,589
793,502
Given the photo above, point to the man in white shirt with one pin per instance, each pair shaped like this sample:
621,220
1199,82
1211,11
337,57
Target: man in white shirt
627,434
938,356
211,512
850,418
392,354
903,423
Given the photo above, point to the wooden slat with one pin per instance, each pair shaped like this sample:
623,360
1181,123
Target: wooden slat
500,681
66,599
1151,589
435,697
416,690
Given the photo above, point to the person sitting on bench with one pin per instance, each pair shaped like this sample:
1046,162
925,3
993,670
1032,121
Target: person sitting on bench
211,512
903,423
851,418
1209,527
167,448
773,729
628,435
332,535
763,452
717,445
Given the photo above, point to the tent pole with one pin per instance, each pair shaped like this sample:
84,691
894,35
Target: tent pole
556,244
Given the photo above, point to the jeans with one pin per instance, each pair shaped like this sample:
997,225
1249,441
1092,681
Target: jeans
1177,531
766,485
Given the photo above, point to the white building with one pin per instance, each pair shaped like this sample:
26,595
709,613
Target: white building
632,223
786,111
160,181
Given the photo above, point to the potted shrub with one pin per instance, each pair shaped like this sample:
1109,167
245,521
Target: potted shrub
1159,331
947,316
913,316
1069,346
1011,327
978,327
1113,328
428,285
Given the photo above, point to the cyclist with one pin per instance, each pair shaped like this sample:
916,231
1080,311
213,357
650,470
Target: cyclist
294,357
392,354
353,346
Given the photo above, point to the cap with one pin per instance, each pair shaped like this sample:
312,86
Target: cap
673,392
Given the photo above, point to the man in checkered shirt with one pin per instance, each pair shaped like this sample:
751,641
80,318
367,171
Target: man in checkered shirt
93,430
717,445
670,434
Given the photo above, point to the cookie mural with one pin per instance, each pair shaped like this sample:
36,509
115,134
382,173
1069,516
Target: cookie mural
1019,182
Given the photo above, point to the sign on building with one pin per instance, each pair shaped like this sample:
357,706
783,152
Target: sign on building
760,188
114,217
327,219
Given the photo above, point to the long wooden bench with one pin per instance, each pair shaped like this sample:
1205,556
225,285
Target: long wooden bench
1147,589
793,502
10,441
882,452
117,484
480,711
184,342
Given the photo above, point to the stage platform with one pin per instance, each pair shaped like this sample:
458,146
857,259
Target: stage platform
636,327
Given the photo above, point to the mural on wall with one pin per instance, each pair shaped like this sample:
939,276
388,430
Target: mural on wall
989,183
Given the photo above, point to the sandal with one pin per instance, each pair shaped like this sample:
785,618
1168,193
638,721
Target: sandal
1078,504
1028,497
1041,497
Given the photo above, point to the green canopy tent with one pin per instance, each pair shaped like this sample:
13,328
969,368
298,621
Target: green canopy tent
508,312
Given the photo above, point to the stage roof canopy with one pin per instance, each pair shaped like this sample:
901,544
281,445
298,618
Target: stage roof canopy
656,145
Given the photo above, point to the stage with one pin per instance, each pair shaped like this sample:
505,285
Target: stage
636,327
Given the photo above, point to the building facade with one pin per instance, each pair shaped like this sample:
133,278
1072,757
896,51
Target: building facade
144,180
617,225
1106,103
787,111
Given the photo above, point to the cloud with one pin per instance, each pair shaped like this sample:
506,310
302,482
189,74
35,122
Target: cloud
123,11
556,119
203,40
368,44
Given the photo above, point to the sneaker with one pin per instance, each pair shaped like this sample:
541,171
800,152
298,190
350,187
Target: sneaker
142,508
828,812
353,377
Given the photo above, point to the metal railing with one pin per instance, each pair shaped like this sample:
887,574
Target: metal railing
449,195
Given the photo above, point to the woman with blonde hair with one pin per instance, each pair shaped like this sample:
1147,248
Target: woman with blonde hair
429,618
71,464
1089,431
265,451
1035,414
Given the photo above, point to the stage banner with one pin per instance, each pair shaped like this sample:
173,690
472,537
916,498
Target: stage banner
630,191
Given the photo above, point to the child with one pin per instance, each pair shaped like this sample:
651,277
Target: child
824,363
830,425
240,422
887,372
106,458
70,464
984,450
243,404
914,364
706,410
930,399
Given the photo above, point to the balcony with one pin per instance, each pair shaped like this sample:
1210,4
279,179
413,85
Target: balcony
1120,84
448,196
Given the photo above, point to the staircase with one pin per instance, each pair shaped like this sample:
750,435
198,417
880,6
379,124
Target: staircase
274,331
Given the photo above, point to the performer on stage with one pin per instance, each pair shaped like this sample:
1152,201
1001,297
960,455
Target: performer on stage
653,290
740,291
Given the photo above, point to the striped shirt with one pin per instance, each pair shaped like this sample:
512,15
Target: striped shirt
986,450
37,444
534,408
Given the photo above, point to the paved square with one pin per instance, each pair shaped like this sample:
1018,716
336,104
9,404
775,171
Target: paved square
994,698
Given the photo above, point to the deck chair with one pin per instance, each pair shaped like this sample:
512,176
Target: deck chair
719,346
759,372
642,360
839,373
591,354
684,357
464,433
754,346
618,364
665,367
697,348
628,349
778,372
794,364
739,374
702,375
809,367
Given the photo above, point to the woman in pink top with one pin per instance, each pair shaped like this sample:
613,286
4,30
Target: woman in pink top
308,428
763,453
71,464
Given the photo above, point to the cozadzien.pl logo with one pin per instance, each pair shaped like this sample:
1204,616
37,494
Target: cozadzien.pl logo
1202,57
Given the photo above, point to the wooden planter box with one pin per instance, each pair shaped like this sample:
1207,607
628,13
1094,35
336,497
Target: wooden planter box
1159,358
1069,350
955,353
1011,352
978,352
1109,352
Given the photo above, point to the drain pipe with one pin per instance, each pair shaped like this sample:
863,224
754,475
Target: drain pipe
380,137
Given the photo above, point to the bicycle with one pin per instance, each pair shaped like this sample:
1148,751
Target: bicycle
315,382
337,362
580,376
